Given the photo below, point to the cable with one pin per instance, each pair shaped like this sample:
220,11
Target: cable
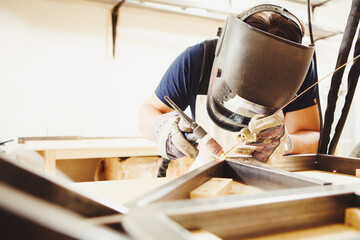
163,167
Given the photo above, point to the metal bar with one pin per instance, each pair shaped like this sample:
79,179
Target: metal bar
179,111
268,178
295,163
24,216
153,226
330,163
239,217
52,191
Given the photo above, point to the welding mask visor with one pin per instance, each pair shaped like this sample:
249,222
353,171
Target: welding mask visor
254,72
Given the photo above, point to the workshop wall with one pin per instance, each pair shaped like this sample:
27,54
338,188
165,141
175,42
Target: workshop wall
58,77
57,73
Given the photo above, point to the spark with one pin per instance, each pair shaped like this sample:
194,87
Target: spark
223,156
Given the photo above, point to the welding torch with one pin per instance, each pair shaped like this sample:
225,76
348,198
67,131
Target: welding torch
198,134
211,144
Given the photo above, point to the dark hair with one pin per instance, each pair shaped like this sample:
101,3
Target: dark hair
275,24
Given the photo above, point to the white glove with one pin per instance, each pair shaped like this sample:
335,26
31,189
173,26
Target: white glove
168,131
264,138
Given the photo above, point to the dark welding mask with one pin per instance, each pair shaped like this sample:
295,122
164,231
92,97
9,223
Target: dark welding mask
254,72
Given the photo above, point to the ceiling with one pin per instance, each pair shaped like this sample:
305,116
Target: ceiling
328,17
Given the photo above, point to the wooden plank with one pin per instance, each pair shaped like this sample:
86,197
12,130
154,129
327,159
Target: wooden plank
211,188
352,217
50,162
95,148
89,143
105,152
357,172
74,147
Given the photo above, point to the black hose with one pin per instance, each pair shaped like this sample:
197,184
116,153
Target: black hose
337,77
163,167
352,82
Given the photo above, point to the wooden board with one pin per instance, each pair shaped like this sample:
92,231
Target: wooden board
88,143
211,188
352,217
55,149
233,188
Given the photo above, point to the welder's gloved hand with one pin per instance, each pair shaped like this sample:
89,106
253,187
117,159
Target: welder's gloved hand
168,130
264,138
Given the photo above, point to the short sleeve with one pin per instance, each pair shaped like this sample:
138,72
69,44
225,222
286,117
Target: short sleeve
308,98
180,81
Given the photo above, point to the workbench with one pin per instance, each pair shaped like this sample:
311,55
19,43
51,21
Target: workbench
60,148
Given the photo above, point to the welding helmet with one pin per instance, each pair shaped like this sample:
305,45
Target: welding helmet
254,72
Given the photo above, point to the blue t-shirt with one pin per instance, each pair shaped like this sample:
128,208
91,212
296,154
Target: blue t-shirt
181,81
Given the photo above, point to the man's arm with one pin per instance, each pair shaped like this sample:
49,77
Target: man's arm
303,127
149,110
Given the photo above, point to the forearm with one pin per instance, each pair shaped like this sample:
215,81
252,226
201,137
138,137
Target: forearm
147,115
304,142
304,129
150,110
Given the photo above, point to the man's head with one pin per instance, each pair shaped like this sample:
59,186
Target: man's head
259,65
276,24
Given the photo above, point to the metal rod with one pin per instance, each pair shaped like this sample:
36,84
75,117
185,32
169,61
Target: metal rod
179,111
277,111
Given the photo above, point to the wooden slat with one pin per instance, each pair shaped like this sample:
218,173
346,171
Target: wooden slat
211,188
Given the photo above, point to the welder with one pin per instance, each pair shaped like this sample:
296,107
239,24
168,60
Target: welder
234,84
